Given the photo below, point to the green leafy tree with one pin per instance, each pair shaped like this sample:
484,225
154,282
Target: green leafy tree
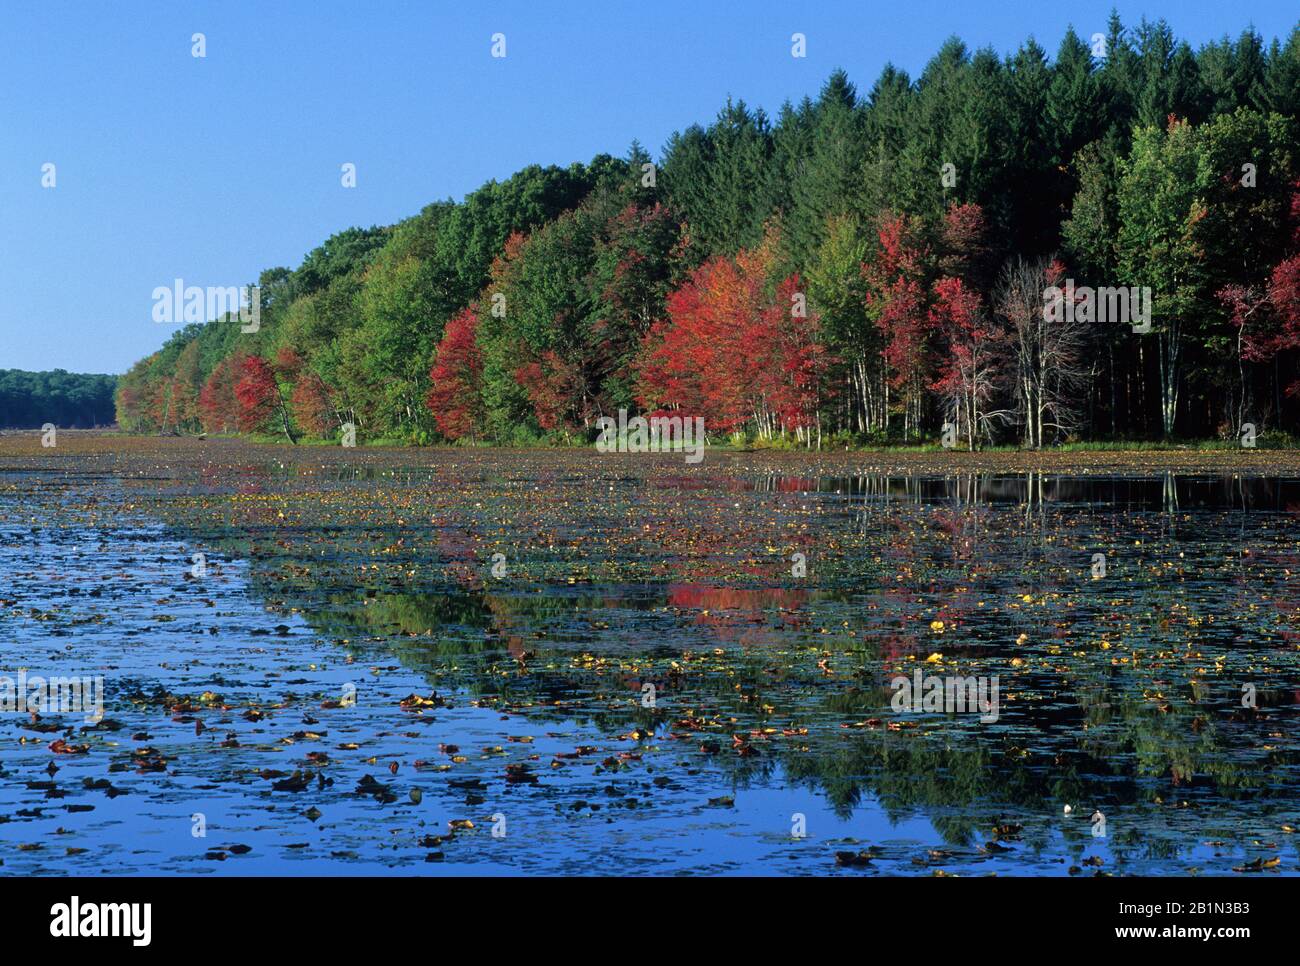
1161,200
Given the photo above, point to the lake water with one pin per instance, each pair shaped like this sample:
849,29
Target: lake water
337,663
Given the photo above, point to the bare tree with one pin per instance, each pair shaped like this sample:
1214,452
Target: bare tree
1050,350
979,374
973,365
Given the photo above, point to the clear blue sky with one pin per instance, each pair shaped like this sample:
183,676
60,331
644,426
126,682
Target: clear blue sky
213,169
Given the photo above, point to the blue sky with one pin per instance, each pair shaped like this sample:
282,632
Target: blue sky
212,169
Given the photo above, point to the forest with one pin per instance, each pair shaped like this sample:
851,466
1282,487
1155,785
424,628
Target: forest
29,400
868,267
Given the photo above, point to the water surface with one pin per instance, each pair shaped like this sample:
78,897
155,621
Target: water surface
349,685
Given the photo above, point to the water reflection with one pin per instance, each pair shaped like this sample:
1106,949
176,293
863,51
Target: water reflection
1123,692
1167,491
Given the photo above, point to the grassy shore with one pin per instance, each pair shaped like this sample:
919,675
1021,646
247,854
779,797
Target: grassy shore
103,448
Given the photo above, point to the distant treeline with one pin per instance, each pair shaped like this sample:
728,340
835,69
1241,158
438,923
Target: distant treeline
870,266
29,400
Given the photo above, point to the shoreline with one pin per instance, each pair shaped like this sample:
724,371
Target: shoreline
23,449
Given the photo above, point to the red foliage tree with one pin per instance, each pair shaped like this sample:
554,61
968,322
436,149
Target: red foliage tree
1268,316
550,383
734,351
457,374
896,301
218,407
791,364
257,394
313,404
1269,320
972,365
694,360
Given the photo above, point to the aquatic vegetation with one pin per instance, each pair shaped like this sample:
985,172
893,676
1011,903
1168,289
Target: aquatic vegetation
431,662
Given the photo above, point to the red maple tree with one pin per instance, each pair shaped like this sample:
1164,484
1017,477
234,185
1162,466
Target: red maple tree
551,384
896,301
313,405
218,407
455,398
735,349
1268,316
971,367
258,396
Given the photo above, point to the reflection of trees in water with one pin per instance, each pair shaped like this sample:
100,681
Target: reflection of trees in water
1166,491
1095,744
1088,737
1136,761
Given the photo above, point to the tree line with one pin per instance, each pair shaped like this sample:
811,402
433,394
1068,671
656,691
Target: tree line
946,253
29,400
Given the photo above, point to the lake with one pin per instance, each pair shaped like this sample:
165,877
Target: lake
471,661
